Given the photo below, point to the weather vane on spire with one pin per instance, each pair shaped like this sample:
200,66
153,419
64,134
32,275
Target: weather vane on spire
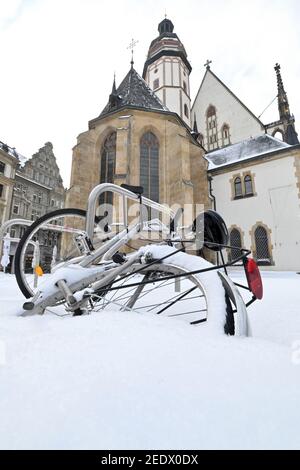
131,47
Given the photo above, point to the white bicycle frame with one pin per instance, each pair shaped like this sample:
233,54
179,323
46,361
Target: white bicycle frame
107,250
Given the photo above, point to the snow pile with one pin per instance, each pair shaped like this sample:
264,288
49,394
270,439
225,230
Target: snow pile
210,280
121,380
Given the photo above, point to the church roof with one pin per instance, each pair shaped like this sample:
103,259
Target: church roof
245,150
209,71
133,92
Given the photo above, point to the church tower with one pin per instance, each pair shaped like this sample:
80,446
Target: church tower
167,71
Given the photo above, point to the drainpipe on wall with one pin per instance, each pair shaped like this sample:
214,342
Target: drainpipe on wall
211,196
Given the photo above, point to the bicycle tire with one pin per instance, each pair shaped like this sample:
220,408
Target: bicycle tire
19,251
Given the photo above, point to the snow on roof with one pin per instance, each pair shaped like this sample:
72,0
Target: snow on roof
12,152
247,149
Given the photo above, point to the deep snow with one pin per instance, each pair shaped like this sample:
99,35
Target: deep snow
124,380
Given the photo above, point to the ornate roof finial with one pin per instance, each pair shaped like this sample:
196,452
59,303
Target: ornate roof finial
131,47
283,104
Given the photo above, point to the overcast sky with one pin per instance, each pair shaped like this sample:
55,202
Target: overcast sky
58,58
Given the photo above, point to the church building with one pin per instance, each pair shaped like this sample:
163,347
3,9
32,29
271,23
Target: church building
215,152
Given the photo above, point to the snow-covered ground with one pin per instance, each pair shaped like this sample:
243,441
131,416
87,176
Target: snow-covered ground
124,380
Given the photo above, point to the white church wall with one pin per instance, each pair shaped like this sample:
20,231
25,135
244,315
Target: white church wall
276,205
175,70
172,100
168,73
229,110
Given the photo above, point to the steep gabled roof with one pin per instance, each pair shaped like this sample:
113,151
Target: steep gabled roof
208,71
245,150
133,92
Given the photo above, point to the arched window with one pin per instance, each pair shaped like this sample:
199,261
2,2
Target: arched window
262,245
235,243
149,165
225,135
186,110
211,111
238,190
248,185
1,190
184,86
107,167
212,128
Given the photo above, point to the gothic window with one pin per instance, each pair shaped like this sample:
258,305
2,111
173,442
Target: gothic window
108,164
248,185
235,243
149,165
238,190
186,110
1,189
262,245
225,135
156,84
212,128
2,167
184,86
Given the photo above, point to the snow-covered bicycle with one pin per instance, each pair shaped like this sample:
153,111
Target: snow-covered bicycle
95,268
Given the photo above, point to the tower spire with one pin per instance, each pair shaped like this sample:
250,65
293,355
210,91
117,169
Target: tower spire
283,104
114,89
131,47
287,120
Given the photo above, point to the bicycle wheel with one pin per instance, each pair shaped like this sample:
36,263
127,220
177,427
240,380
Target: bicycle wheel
167,288
49,241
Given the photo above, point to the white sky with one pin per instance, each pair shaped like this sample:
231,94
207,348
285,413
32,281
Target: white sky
58,58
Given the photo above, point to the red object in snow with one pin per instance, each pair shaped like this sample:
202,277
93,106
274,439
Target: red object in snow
254,278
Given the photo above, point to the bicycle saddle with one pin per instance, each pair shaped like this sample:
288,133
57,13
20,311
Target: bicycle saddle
134,189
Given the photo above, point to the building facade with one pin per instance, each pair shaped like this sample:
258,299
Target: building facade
38,190
256,184
9,160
